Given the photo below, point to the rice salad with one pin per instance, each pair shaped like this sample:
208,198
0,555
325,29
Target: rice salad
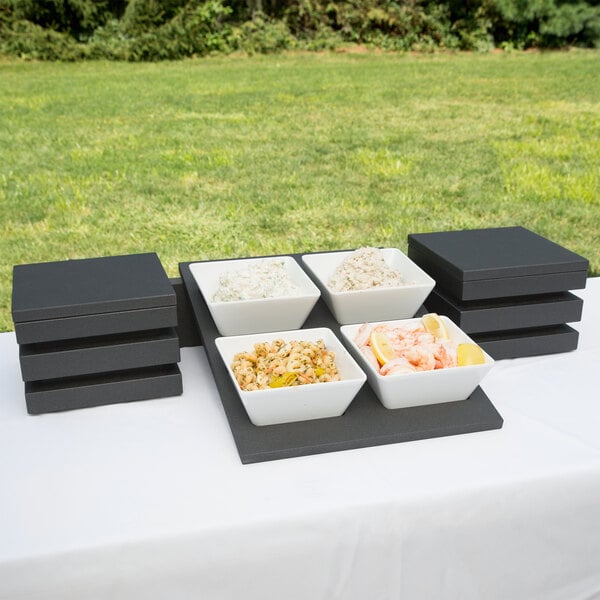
364,269
264,279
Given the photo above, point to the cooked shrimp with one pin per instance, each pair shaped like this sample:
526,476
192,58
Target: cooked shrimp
446,355
370,356
421,358
363,334
415,348
396,366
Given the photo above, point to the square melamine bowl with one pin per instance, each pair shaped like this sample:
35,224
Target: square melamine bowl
253,316
376,304
302,402
424,387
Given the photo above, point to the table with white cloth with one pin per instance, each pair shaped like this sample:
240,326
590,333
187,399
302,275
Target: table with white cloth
149,500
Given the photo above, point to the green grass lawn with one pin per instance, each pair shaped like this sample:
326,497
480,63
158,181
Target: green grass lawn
228,157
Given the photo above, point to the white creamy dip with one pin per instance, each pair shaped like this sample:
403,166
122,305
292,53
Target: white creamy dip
265,279
364,269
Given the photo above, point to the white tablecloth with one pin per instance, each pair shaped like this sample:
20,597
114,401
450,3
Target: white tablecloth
149,500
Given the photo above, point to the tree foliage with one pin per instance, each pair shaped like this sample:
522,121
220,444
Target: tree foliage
171,29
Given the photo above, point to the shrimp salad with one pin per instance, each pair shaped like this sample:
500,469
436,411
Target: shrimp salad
364,269
415,349
266,279
282,364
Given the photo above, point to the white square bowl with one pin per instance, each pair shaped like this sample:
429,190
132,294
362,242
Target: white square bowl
423,387
302,402
376,304
253,316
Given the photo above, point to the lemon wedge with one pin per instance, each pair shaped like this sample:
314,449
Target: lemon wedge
469,354
434,325
381,346
284,380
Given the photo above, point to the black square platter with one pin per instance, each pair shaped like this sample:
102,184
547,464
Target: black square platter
365,423
91,296
102,389
86,356
503,314
477,264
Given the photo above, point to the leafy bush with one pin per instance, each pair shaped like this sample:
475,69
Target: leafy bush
78,18
262,35
470,24
108,42
150,30
27,40
199,29
573,23
383,23
543,23
143,15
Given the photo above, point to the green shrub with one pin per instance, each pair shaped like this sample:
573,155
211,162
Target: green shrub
395,25
78,18
144,15
27,40
324,38
577,23
471,25
109,42
151,30
543,23
262,35
197,30
307,17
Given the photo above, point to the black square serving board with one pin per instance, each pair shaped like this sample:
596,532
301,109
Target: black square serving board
89,286
87,391
86,326
536,341
526,312
103,354
478,264
365,423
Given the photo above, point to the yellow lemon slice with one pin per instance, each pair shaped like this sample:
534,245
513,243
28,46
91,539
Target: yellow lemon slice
434,325
284,380
469,354
381,346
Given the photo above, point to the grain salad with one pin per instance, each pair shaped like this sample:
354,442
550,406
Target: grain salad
264,279
283,364
364,269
